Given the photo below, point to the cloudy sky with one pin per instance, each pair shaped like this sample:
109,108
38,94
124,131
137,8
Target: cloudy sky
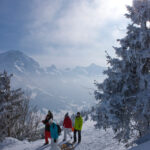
63,32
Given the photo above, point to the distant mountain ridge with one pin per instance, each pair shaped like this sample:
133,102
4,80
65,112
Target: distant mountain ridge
17,62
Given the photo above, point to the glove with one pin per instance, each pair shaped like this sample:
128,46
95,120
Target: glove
54,140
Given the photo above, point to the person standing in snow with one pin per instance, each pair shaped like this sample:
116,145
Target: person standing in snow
47,126
78,127
67,124
54,135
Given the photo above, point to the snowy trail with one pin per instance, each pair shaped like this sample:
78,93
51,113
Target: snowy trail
92,139
97,139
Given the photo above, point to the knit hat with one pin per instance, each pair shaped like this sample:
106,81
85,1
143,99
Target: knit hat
66,114
78,113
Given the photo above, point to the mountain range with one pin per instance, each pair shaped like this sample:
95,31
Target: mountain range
18,63
50,87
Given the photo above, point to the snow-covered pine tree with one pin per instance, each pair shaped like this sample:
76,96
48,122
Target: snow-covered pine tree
17,119
10,100
124,96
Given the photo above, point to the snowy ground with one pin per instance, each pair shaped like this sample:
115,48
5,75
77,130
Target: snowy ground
144,146
92,139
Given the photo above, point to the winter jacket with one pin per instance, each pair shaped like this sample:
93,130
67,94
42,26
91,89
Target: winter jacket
67,122
46,122
78,123
54,131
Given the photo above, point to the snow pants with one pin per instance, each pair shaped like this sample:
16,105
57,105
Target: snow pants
54,145
79,135
67,131
47,135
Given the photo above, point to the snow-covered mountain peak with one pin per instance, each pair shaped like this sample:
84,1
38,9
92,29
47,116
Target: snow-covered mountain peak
15,61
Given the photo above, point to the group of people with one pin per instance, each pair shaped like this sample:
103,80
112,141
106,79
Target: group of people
52,129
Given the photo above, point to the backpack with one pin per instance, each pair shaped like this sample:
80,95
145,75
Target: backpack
59,129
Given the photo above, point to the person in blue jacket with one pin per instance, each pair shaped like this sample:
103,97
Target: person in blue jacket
54,135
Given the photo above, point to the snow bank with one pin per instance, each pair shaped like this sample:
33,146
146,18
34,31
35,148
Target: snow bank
144,146
143,143
13,144
143,139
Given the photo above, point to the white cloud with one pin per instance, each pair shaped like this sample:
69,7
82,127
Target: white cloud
74,28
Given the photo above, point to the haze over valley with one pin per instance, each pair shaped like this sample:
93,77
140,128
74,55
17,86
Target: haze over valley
50,87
